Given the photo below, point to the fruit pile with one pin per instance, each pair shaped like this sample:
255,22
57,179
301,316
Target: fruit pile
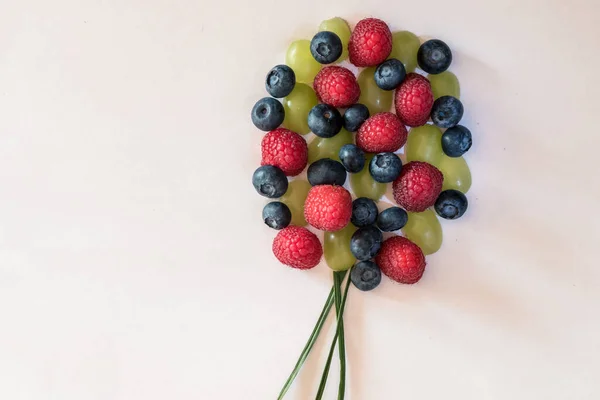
361,125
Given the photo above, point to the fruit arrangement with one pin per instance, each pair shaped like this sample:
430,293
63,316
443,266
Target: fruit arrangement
391,123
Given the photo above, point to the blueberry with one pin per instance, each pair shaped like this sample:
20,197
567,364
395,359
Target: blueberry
267,114
326,47
456,141
280,81
325,121
352,158
364,212
447,111
366,242
385,167
326,172
434,56
390,74
451,204
277,215
365,275
270,181
354,117
391,219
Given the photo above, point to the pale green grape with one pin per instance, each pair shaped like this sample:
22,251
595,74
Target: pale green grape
457,174
425,230
424,144
299,58
363,185
294,198
297,105
376,99
444,84
328,147
405,46
336,247
340,27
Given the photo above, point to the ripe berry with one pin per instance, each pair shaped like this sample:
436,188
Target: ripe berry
390,74
366,242
267,114
418,186
297,247
326,47
326,172
276,215
364,212
365,275
370,43
352,158
447,111
285,149
354,116
328,207
451,204
401,260
383,132
392,219
270,181
336,86
456,141
324,120
434,56
413,100
280,81
385,167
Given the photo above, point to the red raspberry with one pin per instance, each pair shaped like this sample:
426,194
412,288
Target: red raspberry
297,247
414,100
328,207
336,86
418,186
382,132
285,149
370,43
401,260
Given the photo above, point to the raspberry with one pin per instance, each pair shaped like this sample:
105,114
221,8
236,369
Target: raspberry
297,247
328,207
414,100
370,43
418,186
284,149
401,260
336,86
383,132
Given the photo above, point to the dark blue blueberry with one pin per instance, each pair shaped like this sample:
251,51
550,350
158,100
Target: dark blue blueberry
456,141
270,181
326,47
364,212
354,117
385,167
277,215
326,172
365,275
434,56
391,219
366,242
352,158
451,204
447,111
390,74
280,81
267,114
325,121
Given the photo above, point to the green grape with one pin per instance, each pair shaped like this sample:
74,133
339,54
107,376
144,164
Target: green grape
294,198
336,247
363,185
299,58
444,84
456,173
328,147
376,99
340,27
297,105
424,144
405,46
425,230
